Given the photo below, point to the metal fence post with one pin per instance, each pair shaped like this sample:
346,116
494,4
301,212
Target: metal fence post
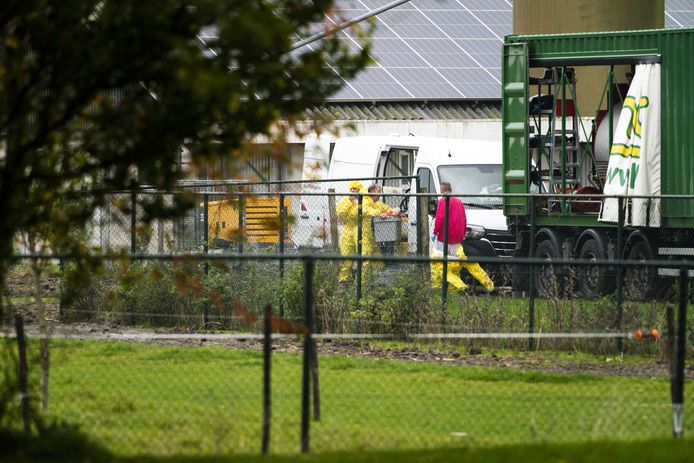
332,213
444,275
610,103
206,220
133,236
61,298
306,373
418,228
423,231
206,248
281,221
360,202
677,389
160,235
531,273
620,269
133,220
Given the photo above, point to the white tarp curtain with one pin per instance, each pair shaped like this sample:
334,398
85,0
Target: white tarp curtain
634,164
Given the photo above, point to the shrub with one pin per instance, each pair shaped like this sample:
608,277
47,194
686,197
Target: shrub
399,301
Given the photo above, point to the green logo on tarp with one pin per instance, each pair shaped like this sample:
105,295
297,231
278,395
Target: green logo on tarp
630,150
624,175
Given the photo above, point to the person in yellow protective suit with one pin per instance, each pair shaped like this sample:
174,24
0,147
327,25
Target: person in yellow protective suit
457,225
454,268
371,208
347,209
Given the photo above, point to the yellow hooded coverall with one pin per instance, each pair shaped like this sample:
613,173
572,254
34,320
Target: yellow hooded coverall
371,209
347,209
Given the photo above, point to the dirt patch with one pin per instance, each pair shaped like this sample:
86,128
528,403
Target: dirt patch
548,362
21,284
19,296
535,361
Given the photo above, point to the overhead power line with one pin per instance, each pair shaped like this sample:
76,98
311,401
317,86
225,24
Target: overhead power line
346,24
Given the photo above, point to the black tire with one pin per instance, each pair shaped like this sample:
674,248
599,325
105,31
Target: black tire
548,280
640,282
473,249
593,281
516,274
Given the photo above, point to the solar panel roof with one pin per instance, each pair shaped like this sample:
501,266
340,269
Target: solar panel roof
679,13
442,49
429,49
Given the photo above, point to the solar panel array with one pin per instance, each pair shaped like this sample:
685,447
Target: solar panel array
679,13
442,49
429,49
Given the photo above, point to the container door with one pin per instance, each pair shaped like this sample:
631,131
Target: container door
515,126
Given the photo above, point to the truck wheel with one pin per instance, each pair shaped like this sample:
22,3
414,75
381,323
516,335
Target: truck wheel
640,283
547,278
593,281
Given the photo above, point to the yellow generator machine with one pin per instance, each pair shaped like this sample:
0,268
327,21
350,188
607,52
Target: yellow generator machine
252,220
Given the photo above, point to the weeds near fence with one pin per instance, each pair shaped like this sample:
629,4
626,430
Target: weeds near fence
182,294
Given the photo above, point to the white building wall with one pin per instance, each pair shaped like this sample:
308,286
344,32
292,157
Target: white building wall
477,129
482,129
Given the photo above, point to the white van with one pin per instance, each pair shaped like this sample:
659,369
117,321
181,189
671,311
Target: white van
326,157
470,166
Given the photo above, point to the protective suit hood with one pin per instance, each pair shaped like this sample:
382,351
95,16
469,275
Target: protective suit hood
356,184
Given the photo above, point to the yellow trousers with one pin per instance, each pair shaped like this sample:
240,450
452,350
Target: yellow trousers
348,246
453,273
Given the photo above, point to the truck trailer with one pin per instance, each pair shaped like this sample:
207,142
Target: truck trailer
612,180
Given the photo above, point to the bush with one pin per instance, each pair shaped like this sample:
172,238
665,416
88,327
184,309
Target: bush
55,443
145,293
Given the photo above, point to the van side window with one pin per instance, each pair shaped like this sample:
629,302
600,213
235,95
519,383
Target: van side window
396,162
426,180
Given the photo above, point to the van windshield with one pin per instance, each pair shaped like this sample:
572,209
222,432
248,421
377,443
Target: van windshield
474,179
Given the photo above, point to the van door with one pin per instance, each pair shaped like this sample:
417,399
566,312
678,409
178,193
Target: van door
311,212
395,162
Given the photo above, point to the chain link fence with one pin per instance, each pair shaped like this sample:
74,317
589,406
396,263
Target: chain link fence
161,349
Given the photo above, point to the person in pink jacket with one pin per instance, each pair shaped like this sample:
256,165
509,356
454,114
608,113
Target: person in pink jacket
457,227
457,220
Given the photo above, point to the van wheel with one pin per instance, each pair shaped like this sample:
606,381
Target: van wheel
473,249
640,282
592,280
547,278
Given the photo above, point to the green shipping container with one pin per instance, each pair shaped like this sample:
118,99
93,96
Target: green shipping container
673,49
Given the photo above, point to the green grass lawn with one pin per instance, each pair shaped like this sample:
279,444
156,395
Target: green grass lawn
654,451
137,399
67,447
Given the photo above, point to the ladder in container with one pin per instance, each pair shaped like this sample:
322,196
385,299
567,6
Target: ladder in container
559,145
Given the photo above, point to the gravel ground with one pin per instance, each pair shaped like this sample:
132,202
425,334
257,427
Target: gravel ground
543,361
